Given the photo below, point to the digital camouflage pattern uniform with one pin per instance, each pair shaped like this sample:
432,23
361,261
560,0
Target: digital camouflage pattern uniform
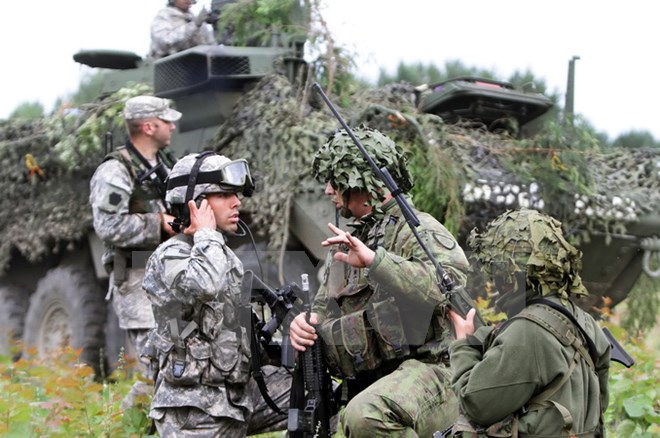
541,383
127,199
173,30
127,218
384,327
204,386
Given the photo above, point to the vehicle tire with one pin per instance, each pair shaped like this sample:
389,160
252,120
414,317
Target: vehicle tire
68,309
14,302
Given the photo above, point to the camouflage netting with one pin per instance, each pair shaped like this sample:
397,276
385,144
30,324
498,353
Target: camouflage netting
44,179
40,199
278,136
464,176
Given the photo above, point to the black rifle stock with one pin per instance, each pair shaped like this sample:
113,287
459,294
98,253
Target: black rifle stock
312,402
617,353
457,297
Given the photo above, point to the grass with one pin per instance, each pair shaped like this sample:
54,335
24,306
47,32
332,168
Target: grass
59,397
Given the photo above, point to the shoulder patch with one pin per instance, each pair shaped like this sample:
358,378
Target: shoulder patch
446,241
114,198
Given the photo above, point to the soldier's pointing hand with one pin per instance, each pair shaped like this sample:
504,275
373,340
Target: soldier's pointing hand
359,255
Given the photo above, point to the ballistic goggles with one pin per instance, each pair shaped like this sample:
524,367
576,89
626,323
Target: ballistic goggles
231,177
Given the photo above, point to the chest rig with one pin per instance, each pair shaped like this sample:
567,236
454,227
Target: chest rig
375,331
148,186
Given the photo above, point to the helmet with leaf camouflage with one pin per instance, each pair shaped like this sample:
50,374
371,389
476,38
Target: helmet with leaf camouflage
528,244
340,162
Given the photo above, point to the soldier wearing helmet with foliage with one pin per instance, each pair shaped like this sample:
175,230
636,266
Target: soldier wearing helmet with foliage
383,322
544,371
205,386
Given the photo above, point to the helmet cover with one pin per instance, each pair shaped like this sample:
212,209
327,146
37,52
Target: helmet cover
528,241
340,162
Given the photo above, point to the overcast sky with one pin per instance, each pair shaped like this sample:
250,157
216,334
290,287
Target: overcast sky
616,76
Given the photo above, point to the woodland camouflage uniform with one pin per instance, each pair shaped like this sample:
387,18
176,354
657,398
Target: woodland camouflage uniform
384,327
511,376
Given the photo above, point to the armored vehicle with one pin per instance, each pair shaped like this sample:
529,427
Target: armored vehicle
255,103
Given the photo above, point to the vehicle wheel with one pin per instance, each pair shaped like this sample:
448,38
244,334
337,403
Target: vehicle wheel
68,308
14,302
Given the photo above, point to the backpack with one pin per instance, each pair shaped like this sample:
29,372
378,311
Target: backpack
569,332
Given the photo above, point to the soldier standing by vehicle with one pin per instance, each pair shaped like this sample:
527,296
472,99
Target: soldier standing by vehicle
127,199
175,28
384,325
204,385
544,371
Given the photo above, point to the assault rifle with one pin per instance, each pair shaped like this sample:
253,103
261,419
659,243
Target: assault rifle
312,402
283,305
457,297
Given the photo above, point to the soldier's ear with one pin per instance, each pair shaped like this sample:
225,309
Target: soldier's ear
148,127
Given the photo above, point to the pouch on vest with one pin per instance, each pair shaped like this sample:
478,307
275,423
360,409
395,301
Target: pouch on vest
212,318
351,344
182,371
385,319
230,358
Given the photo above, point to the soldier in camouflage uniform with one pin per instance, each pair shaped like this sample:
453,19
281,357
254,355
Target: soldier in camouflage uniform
127,199
204,386
383,321
175,28
544,371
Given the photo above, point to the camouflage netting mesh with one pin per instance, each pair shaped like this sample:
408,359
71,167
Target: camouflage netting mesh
278,136
41,201
464,176
44,178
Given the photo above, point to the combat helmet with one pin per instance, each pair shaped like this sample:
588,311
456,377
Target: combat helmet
340,162
526,246
199,174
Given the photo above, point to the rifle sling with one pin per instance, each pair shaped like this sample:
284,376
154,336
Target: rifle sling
256,370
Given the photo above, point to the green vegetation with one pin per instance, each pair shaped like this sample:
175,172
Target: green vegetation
60,397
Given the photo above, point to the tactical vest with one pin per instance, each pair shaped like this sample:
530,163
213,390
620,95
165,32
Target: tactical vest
569,335
149,185
206,343
373,335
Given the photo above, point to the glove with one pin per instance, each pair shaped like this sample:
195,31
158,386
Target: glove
201,17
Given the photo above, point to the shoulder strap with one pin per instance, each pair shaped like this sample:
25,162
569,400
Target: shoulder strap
123,156
591,346
556,320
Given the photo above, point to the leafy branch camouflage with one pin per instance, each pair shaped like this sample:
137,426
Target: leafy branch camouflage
527,241
464,176
341,162
44,179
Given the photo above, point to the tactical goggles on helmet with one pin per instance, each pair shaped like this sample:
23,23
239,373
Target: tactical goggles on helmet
236,174
232,177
